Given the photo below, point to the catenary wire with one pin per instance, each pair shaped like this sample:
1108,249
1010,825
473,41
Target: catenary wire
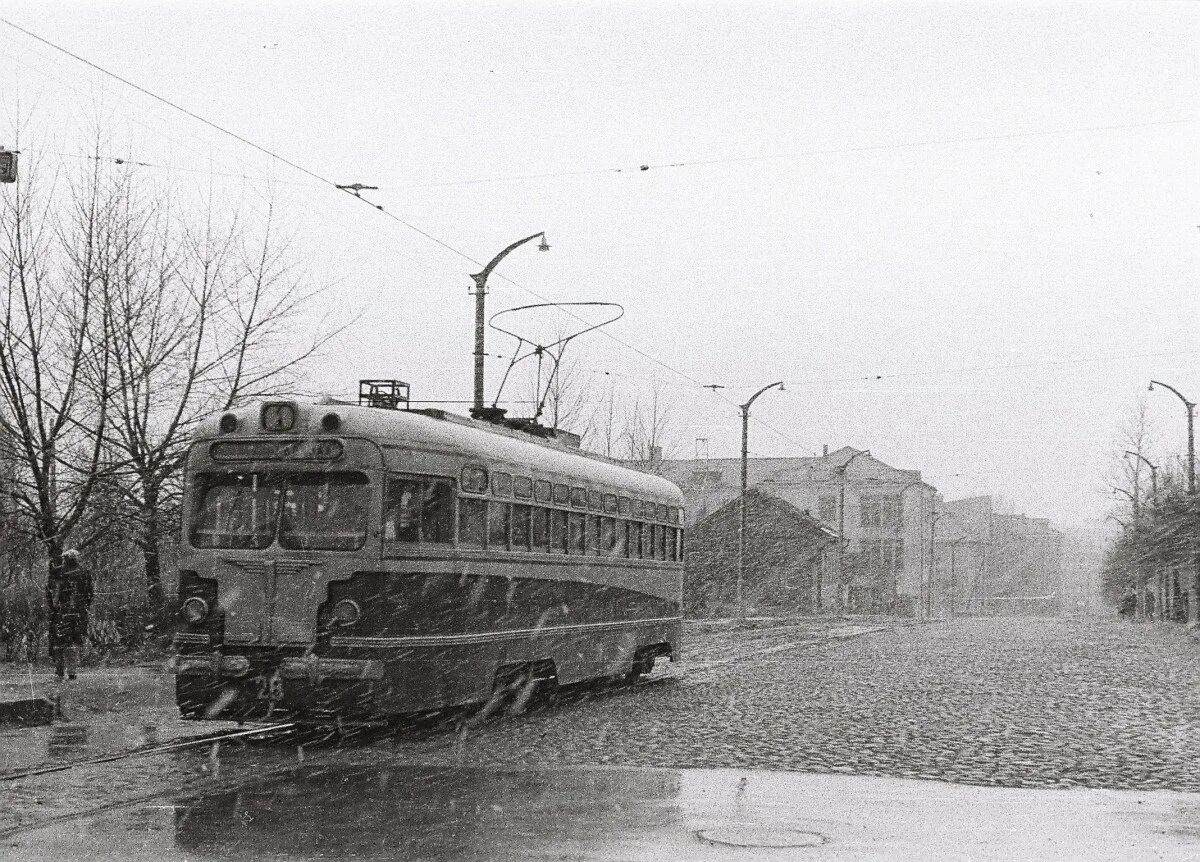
377,207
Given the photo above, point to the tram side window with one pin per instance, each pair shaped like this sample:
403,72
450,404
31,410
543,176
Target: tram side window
419,510
633,539
620,539
541,529
472,520
521,521
652,541
558,531
662,542
608,537
498,522
593,536
672,544
575,534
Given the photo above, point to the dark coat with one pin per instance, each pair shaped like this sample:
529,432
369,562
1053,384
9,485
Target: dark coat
68,598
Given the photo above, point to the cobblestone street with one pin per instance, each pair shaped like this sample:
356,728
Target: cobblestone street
1007,702
1011,702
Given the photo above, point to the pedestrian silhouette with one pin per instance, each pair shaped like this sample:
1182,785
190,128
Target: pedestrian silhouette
68,599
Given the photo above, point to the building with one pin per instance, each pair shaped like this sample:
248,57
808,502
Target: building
787,559
993,562
882,512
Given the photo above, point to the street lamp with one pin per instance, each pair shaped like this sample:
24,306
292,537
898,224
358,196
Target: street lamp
1191,410
842,523
479,411
953,589
1153,474
741,559
934,517
1194,588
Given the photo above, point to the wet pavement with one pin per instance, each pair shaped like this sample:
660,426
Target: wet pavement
681,765
623,814
104,712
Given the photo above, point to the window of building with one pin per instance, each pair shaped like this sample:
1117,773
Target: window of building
880,513
827,509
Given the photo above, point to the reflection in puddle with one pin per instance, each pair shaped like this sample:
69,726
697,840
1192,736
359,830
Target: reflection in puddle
66,740
428,812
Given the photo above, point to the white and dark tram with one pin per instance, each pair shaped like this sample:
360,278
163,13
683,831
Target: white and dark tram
350,562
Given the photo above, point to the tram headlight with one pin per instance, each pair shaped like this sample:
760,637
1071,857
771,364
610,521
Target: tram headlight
195,610
346,612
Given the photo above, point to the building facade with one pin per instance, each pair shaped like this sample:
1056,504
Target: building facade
990,562
882,514
786,560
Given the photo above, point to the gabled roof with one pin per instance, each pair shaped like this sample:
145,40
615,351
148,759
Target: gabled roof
778,503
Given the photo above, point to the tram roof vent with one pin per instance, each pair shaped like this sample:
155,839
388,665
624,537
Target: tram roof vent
386,394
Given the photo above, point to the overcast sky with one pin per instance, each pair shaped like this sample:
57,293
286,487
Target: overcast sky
965,235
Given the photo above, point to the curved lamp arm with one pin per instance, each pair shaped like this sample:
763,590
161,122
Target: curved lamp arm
1181,396
481,277
778,383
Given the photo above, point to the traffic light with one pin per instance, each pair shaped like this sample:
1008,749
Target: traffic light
8,166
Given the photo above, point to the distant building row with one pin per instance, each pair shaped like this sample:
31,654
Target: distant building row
847,532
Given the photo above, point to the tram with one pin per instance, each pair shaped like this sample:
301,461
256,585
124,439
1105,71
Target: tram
353,562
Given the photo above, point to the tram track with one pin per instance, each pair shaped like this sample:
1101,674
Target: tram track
359,746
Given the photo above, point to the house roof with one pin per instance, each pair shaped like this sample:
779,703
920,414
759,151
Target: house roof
777,503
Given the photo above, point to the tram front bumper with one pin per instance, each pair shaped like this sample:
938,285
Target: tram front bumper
312,668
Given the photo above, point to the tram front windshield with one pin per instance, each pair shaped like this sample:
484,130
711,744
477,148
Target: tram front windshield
303,511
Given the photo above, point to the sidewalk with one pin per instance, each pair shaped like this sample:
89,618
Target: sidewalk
105,711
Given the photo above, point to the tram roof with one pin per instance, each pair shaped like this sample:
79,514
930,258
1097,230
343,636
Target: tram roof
458,435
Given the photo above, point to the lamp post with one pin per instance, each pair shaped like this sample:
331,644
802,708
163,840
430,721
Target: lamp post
479,411
1191,415
934,517
842,524
915,483
1194,586
953,589
741,558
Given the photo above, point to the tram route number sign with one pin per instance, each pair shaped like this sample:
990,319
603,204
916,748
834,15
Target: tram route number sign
270,687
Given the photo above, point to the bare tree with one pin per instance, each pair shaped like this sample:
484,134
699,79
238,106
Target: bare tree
646,432
57,252
197,325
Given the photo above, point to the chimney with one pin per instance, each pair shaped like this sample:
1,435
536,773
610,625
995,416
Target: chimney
825,451
655,454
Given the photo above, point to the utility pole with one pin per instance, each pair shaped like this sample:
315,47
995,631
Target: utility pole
934,517
741,558
478,411
1159,590
841,557
1194,586
953,590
